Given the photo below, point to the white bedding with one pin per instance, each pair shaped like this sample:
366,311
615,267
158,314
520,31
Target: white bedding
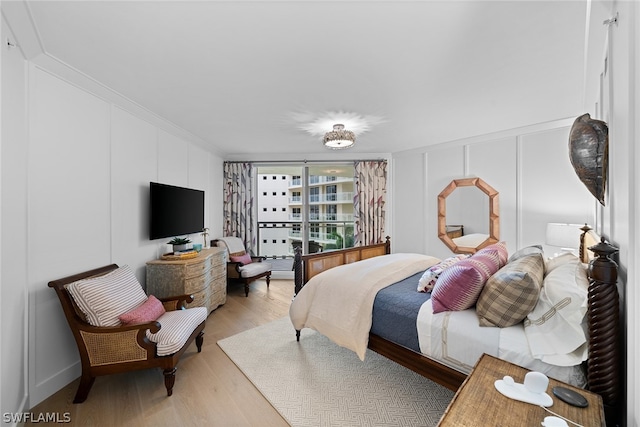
455,339
338,303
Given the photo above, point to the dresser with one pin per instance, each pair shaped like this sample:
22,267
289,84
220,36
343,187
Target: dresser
204,277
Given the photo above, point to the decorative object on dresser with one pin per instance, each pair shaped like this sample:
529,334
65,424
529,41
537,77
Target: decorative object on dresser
179,244
203,276
242,266
475,231
588,152
96,303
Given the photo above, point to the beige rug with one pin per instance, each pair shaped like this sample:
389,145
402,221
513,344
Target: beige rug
317,383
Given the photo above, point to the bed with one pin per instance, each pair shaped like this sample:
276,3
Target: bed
444,356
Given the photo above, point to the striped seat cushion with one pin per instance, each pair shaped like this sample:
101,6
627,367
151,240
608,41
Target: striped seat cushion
176,327
103,298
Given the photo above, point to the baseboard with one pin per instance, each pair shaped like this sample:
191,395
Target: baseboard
53,384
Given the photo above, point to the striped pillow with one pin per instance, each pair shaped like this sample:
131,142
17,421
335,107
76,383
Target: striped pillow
103,298
459,286
510,294
175,329
500,248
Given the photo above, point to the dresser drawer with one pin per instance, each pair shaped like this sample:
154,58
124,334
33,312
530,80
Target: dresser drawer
198,269
196,284
200,299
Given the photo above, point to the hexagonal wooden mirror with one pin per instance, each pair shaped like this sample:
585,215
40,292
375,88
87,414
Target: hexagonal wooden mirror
468,215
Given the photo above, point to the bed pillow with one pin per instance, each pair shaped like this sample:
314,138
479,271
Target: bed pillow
458,286
429,277
528,250
103,298
555,262
244,258
499,248
510,294
554,328
149,311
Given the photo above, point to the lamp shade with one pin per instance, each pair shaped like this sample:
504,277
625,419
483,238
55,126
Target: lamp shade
566,236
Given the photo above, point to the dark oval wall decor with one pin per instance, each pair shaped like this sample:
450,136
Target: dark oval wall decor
588,151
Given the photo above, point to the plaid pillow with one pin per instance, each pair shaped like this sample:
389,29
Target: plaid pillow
510,294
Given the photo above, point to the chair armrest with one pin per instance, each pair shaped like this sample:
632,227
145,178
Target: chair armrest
177,302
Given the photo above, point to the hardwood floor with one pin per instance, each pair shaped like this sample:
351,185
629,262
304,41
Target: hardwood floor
209,390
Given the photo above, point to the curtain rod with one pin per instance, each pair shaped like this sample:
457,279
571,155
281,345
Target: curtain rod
305,161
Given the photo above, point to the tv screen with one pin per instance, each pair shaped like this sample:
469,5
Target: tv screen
175,211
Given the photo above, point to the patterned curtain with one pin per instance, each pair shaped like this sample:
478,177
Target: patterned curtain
238,203
368,202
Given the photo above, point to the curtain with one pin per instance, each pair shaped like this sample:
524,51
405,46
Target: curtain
369,202
238,203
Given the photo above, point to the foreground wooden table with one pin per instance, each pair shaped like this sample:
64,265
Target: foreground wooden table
478,403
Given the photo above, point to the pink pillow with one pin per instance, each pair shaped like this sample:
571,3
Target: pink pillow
244,258
459,286
500,248
149,311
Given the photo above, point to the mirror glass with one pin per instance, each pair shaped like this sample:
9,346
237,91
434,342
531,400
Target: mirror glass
468,215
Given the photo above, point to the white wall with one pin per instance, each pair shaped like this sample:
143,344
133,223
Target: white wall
618,103
529,167
13,193
75,197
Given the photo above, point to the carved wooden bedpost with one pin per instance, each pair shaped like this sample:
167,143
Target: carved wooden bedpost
603,375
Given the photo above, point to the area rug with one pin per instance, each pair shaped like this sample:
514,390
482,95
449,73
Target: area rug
315,382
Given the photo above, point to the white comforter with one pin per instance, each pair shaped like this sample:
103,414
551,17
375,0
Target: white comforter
339,302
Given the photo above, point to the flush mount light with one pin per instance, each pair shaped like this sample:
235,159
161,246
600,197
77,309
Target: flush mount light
339,138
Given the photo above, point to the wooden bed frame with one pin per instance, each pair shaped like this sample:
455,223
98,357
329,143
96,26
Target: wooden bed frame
602,367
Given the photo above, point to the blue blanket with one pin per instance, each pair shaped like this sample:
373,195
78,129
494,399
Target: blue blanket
395,311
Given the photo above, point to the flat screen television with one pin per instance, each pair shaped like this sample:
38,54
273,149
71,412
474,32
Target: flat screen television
175,211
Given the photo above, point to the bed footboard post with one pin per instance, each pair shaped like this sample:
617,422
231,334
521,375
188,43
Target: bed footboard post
297,270
603,374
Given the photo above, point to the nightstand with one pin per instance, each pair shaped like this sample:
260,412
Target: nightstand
478,403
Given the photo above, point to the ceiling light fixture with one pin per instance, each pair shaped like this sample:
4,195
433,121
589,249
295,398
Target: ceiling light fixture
339,138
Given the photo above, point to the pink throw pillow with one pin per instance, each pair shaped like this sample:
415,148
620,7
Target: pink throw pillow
149,311
244,258
500,248
459,286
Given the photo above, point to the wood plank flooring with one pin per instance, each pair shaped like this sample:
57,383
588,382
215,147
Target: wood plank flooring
209,390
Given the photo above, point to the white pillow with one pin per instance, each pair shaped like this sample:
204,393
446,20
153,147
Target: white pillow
554,329
102,299
554,262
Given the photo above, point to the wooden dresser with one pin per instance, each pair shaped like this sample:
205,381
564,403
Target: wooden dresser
204,277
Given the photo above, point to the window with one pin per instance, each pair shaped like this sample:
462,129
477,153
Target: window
314,194
264,209
274,193
332,212
314,213
332,193
264,193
